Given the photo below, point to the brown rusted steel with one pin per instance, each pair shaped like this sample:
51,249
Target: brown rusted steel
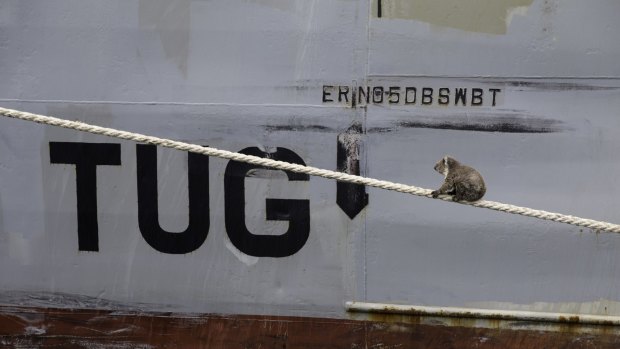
66,328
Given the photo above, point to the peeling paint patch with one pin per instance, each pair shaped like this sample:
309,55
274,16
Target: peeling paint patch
34,331
349,145
171,20
480,16
242,257
266,173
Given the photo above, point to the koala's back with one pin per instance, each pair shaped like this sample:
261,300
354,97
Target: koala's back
468,183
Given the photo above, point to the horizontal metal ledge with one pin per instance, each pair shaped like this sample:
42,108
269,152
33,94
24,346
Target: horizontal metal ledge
454,312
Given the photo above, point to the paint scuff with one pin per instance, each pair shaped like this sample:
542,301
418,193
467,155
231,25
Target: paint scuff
480,16
171,21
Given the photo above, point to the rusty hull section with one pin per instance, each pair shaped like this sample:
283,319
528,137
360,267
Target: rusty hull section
69,328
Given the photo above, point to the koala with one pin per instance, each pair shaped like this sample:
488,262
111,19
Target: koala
462,182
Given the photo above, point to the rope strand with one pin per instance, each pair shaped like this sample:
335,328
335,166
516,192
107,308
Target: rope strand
309,170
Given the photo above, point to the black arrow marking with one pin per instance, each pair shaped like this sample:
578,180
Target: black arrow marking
351,198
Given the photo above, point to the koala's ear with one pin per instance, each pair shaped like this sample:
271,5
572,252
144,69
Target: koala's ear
450,161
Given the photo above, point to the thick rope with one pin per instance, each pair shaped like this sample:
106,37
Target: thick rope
312,171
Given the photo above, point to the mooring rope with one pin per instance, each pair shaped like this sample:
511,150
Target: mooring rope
309,170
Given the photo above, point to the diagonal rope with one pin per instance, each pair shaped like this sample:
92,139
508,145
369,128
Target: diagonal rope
309,170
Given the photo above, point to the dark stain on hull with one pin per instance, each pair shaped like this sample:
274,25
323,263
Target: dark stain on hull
547,84
501,124
381,129
298,128
558,86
